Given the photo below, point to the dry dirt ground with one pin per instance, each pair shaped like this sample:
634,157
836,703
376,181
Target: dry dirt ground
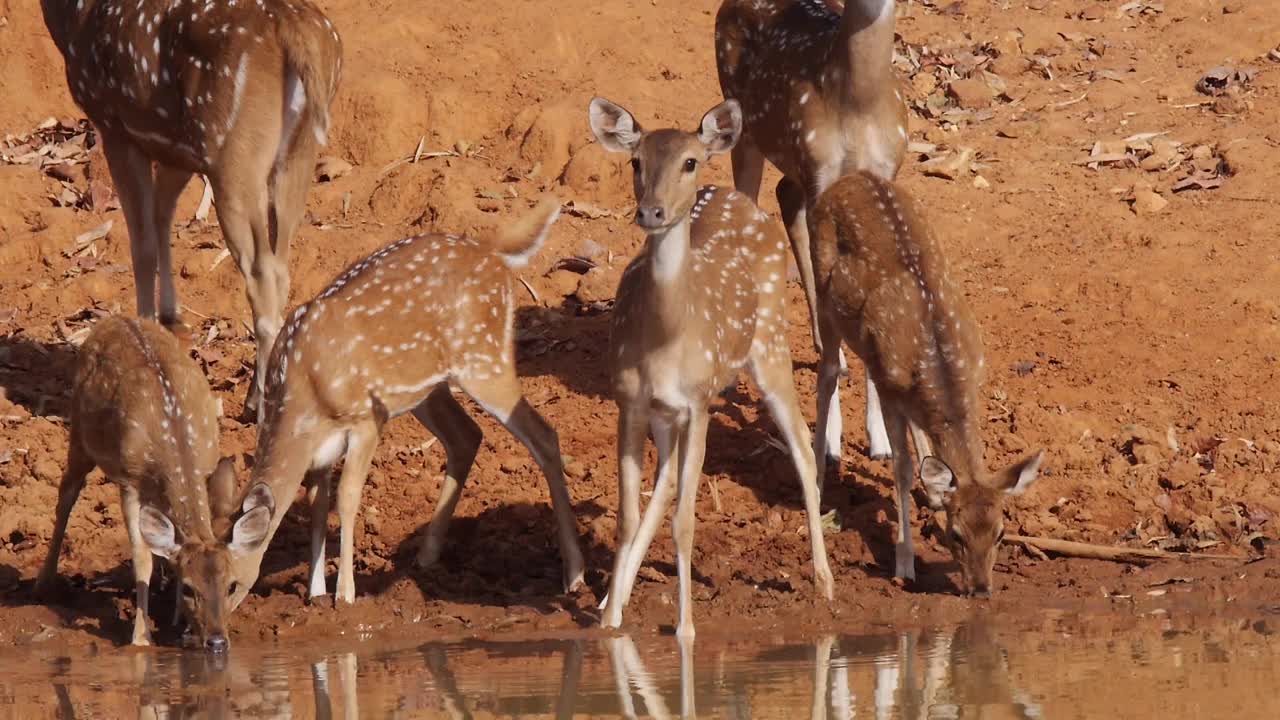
1130,315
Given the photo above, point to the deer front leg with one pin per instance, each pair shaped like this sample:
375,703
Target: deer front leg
693,444
169,185
320,499
630,465
361,442
141,564
443,417
79,465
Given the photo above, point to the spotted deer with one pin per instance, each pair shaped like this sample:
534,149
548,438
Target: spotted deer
820,100
236,91
703,299
142,411
884,287
384,339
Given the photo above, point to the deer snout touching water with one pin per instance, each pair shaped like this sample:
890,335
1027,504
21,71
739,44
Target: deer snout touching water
142,411
883,287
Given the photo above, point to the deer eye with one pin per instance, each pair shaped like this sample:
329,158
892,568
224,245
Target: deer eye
954,536
231,590
690,165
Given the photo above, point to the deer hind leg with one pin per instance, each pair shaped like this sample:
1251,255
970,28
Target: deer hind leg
79,465
501,397
132,175
443,417
795,214
828,392
170,183
903,475
362,440
692,449
628,565
772,370
141,564
244,215
291,179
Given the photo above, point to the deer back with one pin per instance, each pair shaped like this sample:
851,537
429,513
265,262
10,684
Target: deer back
178,77
144,413
887,284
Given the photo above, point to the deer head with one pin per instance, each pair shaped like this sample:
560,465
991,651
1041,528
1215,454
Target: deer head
974,509
665,162
206,569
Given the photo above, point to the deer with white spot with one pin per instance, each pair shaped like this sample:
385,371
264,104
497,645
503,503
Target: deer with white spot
820,100
384,339
238,91
884,287
702,300
142,411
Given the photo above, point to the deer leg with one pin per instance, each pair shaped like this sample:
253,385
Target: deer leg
501,397
169,185
793,203
319,492
131,173
692,448
141,563
828,392
688,688
244,217
772,370
443,417
631,417
291,181
821,673
79,465
362,440
654,513
878,445
903,475
748,168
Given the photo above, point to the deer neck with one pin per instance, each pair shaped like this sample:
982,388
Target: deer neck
670,256
863,53
286,448
959,445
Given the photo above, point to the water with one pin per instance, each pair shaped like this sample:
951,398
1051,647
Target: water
1053,666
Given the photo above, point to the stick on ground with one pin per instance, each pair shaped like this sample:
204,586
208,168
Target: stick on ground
1068,548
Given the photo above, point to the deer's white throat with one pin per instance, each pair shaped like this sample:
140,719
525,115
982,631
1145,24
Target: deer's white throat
670,251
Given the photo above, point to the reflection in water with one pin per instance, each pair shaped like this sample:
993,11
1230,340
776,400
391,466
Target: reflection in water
975,670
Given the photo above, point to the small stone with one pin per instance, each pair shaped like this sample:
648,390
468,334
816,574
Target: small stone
924,83
595,286
47,471
971,93
564,282
1148,202
575,470
1147,454
980,182
1012,443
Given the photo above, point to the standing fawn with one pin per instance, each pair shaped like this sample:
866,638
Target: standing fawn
238,92
384,339
883,287
704,298
142,411
820,101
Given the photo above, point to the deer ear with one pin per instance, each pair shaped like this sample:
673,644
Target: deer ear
937,477
259,495
1015,479
250,531
158,533
721,127
615,128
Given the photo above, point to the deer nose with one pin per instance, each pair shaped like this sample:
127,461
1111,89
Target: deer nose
651,217
216,644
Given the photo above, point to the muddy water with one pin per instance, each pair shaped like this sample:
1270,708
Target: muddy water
1055,666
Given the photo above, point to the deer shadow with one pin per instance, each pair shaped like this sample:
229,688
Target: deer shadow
37,375
566,344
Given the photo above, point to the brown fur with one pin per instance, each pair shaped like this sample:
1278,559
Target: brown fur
884,287
142,411
179,89
384,339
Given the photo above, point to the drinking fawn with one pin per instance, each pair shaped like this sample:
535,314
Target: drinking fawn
703,299
239,92
142,411
820,100
884,287
384,339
